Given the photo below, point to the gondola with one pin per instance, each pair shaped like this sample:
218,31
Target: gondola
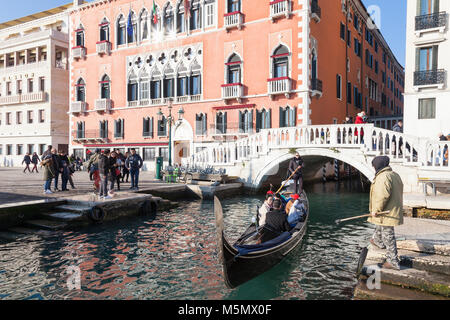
245,260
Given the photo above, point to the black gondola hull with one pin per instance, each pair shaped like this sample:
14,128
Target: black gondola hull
240,269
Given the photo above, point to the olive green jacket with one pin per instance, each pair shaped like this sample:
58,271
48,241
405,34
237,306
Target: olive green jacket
386,194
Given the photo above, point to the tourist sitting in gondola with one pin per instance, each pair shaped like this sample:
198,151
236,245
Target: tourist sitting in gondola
266,207
297,211
276,222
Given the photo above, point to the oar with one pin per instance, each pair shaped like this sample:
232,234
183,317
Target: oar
282,186
359,217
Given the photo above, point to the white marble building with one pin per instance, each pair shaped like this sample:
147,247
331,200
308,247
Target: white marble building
427,91
34,84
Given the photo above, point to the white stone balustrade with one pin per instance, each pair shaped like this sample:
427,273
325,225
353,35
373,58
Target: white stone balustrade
79,52
103,105
232,91
279,86
7,100
77,106
103,47
279,8
233,20
33,97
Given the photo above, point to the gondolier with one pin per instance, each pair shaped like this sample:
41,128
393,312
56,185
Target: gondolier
295,169
386,194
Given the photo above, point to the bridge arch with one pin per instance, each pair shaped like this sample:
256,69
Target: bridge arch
350,158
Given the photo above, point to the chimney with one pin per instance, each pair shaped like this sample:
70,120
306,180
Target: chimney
77,3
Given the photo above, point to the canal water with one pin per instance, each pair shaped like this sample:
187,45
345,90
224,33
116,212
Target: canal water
175,255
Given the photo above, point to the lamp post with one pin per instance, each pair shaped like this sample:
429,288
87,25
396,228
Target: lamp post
170,131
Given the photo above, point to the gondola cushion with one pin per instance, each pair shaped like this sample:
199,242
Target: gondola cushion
246,249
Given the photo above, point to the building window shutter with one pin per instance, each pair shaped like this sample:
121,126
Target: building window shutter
281,117
224,123
258,120
436,6
435,57
204,124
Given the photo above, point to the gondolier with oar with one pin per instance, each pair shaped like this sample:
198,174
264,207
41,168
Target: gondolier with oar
295,171
386,195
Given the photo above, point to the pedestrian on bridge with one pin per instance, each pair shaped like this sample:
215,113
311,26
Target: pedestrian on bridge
298,176
386,194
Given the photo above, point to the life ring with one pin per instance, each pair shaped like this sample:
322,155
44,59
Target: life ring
148,208
96,215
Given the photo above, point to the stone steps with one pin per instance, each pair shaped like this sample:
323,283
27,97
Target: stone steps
430,282
73,208
64,216
46,224
425,246
417,260
390,292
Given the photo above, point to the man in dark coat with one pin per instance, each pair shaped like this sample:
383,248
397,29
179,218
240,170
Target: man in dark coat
27,161
105,172
134,164
276,221
56,168
35,160
298,176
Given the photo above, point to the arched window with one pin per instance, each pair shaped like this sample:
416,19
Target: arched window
79,36
281,62
105,88
246,121
132,88
155,85
314,66
288,117
195,83
132,32
195,19
234,5
182,81
143,22
121,30
181,21
263,119
144,86
169,81
104,30
81,90
162,126
201,124
168,19
221,123
234,69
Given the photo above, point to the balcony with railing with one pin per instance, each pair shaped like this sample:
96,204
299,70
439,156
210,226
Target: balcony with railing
316,87
103,105
233,20
77,107
79,52
232,91
316,11
430,78
33,97
103,47
279,8
7,100
430,22
281,85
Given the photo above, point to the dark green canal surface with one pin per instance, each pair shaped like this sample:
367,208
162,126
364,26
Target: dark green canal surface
175,255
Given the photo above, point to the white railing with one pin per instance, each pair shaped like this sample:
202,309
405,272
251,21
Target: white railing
25,67
77,106
182,99
232,91
104,47
104,105
10,100
233,20
196,97
280,8
279,85
33,97
372,141
79,52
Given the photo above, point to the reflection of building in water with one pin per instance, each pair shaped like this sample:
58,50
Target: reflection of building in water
34,84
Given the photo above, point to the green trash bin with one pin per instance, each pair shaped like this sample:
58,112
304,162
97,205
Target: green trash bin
159,165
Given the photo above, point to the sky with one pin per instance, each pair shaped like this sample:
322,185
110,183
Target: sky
392,17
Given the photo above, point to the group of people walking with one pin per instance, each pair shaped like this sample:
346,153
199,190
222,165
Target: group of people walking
31,159
108,169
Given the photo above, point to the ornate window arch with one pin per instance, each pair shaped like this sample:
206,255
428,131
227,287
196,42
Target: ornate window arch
201,124
180,17
195,18
233,69
132,33
79,36
144,85
81,90
121,27
104,30
133,87
169,21
144,25
105,87
288,116
182,80
280,61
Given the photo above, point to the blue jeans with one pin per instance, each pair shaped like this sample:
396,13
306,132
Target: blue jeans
47,184
134,177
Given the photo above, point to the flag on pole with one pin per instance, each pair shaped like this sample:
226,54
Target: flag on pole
130,25
154,13
187,8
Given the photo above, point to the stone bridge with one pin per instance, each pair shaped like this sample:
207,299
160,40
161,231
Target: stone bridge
257,157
